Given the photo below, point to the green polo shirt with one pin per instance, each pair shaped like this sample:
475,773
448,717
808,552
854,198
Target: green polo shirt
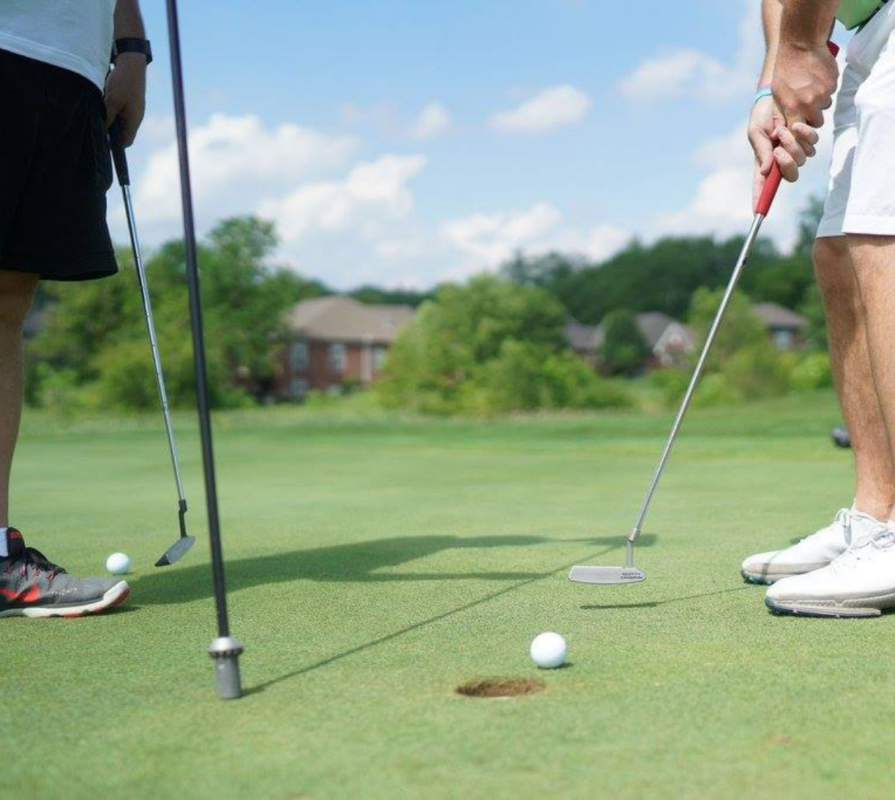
853,12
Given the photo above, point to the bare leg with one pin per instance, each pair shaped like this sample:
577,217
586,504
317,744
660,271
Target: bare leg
850,354
873,258
16,293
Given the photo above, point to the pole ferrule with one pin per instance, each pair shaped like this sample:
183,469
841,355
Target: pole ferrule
225,652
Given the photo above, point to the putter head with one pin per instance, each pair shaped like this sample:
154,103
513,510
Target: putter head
176,551
606,576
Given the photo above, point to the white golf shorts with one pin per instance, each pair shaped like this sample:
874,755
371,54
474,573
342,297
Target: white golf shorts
861,194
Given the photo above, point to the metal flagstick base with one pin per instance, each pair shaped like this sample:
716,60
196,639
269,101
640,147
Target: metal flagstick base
225,649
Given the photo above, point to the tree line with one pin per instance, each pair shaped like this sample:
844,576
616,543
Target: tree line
494,343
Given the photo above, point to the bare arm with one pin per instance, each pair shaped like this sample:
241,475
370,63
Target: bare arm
768,135
807,23
772,18
128,20
806,74
126,84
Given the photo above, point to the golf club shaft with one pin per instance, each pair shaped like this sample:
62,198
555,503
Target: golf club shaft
694,381
762,209
153,338
192,274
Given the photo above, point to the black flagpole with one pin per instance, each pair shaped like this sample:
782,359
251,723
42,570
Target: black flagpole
225,650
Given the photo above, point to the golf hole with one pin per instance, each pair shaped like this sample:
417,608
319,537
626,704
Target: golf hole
509,687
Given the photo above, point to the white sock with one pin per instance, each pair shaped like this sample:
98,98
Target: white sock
4,551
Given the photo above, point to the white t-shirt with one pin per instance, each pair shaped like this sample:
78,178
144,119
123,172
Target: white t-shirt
72,34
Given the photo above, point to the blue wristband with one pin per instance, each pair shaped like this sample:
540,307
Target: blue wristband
762,93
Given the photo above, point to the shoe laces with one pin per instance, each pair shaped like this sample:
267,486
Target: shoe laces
881,539
32,558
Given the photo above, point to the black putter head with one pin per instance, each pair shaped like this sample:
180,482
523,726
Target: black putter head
176,551
182,546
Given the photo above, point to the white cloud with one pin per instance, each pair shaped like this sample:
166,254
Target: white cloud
551,108
345,221
235,161
489,239
156,131
372,193
401,249
433,120
604,241
485,240
678,72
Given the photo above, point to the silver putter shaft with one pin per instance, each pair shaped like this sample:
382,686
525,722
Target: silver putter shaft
176,551
629,573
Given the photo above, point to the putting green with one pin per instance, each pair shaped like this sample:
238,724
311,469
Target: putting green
376,563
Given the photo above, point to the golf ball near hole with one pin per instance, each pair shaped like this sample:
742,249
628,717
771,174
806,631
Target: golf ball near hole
548,650
118,564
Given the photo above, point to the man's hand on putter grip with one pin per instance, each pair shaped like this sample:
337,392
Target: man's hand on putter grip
126,94
771,140
805,80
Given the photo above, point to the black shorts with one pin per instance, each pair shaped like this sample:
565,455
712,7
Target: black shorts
55,170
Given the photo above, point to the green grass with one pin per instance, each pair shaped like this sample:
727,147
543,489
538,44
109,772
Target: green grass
376,562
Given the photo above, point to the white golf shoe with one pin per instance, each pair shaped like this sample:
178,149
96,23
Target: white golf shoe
814,552
860,583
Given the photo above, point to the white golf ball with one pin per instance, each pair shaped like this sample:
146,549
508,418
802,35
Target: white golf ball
548,650
118,564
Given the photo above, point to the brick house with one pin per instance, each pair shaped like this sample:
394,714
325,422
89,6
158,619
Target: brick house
334,341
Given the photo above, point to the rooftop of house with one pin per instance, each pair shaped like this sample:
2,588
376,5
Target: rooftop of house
582,337
343,319
652,324
777,317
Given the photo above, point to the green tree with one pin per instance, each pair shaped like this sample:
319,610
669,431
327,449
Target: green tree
97,332
809,221
401,297
657,277
624,350
741,328
488,346
80,318
743,363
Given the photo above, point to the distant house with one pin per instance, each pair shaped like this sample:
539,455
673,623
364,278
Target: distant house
336,340
669,341
786,328
584,340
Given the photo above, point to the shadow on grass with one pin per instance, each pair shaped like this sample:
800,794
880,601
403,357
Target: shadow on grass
615,543
360,562
657,603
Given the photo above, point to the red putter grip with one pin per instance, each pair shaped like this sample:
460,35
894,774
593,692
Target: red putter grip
772,182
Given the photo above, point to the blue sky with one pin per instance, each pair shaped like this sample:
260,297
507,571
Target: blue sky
410,142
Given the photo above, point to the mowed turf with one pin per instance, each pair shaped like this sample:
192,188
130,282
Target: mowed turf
376,563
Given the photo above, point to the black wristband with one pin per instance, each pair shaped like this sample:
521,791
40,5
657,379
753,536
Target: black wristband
131,45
